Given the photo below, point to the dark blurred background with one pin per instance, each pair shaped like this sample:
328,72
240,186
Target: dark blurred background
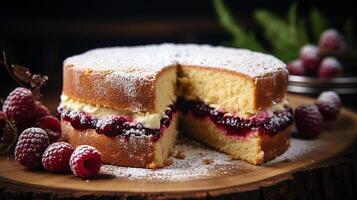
41,34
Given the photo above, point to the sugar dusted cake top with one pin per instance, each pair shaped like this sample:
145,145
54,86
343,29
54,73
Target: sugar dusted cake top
147,61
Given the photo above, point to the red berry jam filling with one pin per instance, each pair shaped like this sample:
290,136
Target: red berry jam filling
116,125
237,126
234,126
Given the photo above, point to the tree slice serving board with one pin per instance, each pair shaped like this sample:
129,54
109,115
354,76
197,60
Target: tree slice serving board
195,168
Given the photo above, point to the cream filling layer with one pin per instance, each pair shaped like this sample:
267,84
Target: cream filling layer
148,120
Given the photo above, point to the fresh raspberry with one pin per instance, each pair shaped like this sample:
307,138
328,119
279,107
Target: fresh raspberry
309,55
20,105
51,125
56,157
54,136
3,119
329,68
308,121
332,42
329,104
41,110
30,147
85,161
296,67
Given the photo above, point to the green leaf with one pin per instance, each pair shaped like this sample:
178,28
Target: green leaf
285,36
301,33
318,23
276,32
242,38
292,15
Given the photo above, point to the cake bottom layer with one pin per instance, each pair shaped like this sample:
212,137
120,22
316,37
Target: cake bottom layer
255,148
133,151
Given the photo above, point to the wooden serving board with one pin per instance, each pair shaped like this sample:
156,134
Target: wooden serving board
237,175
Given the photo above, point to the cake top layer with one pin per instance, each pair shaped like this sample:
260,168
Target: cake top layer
146,61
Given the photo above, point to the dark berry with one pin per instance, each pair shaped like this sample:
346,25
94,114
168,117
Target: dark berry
309,55
56,157
329,104
332,42
20,106
51,123
85,161
216,114
66,115
80,120
308,121
296,68
111,126
41,110
165,121
329,68
54,136
169,113
30,147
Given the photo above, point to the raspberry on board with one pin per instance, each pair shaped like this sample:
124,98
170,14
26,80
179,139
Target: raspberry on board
85,161
56,157
329,104
308,121
30,146
20,106
51,125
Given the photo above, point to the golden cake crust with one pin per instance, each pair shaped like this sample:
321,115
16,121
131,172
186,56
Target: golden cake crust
109,93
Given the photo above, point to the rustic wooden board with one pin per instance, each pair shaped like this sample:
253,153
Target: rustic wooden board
339,134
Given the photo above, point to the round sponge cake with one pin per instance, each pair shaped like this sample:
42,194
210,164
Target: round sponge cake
145,81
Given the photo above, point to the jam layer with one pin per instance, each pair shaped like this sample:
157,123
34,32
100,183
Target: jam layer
232,125
237,126
116,125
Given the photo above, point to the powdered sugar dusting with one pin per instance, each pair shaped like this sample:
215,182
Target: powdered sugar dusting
247,62
143,61
299,148
201,162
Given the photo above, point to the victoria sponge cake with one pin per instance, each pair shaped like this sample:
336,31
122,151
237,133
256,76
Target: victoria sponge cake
130,102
